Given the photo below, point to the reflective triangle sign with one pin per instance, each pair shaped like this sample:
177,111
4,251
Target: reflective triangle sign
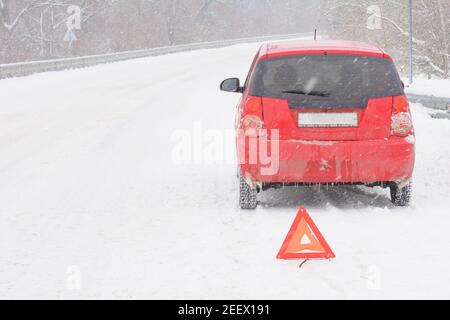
304,240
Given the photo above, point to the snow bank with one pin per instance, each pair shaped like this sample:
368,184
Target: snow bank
435,87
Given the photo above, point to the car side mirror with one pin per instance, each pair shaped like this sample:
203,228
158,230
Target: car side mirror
231,85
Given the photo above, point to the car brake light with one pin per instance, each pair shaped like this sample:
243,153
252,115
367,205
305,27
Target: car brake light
252,122
400,104
401,122
252,126
253,106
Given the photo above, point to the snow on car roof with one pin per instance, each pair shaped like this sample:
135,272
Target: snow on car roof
286,47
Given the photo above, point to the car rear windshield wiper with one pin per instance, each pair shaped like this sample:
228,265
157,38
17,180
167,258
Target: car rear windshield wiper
309,93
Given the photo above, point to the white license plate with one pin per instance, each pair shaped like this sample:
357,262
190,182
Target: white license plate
328,120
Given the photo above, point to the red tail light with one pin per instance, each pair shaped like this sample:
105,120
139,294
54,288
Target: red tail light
252,122
252,126
400,104
253,106
401,122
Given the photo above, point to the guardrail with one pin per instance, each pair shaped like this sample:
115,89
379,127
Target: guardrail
27,68
432,102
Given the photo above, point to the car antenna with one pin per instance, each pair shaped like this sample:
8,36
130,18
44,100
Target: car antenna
315,34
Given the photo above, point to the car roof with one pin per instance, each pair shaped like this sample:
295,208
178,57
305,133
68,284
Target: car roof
283,48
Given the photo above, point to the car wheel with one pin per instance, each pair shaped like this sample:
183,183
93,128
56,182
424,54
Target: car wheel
401,196
248,197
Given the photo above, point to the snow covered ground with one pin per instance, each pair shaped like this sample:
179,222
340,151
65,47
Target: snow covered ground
92,204
435,87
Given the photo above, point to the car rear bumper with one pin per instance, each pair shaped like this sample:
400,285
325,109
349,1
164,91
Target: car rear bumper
333,162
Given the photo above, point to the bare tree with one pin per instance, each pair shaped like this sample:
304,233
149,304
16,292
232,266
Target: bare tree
348,19
9,23
36,29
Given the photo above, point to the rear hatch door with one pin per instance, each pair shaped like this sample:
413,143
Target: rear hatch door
327,97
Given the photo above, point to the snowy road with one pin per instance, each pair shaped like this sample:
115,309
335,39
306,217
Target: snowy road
93,206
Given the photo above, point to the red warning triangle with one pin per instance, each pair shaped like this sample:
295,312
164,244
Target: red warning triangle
304,240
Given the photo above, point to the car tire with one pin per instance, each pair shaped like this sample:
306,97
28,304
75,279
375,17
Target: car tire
248,197
401,196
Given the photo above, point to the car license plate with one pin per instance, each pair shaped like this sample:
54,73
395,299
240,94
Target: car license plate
328,120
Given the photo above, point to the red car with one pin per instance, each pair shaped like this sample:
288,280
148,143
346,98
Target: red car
323,112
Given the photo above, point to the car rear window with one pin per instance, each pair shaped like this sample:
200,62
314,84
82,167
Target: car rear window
326,77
